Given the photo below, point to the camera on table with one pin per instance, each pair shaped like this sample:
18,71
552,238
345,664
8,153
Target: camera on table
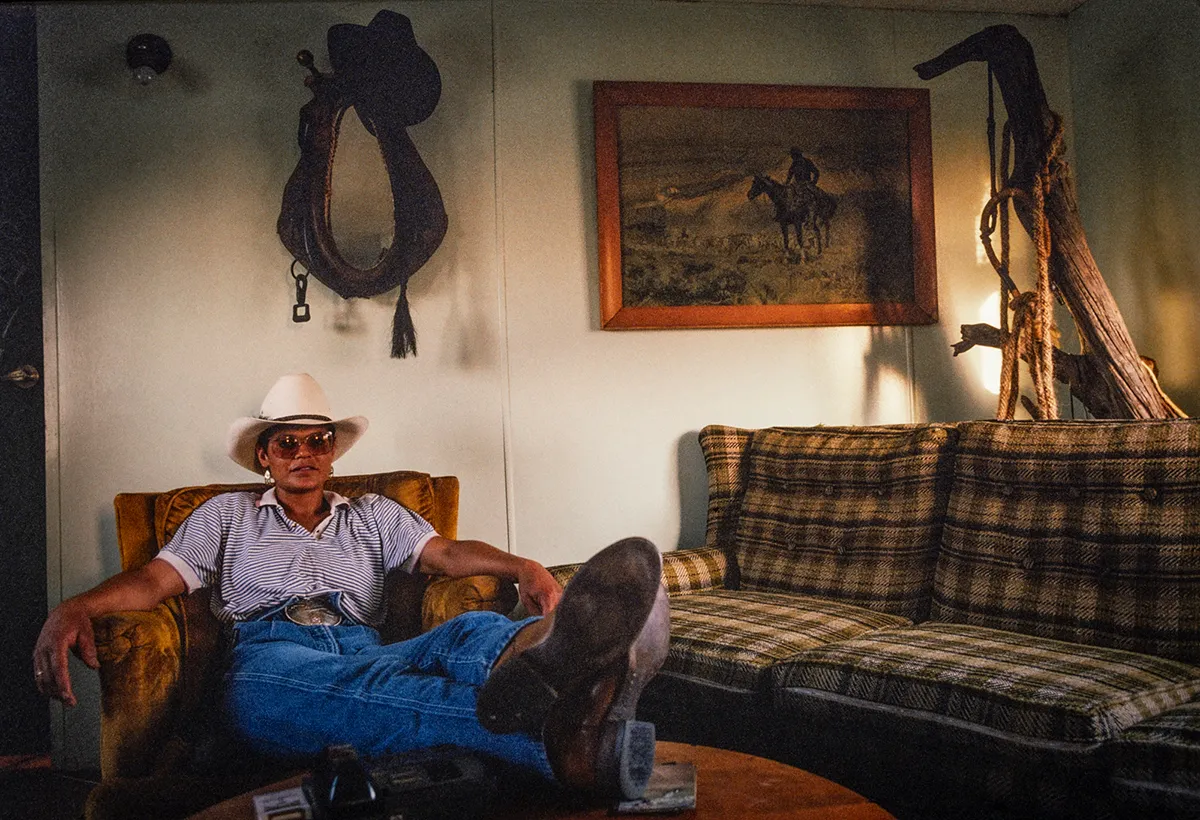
438,783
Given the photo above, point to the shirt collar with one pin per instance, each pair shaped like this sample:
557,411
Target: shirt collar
269,500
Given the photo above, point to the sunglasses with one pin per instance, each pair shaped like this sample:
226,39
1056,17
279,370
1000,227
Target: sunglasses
287,445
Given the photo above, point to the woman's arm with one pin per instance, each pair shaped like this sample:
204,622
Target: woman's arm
458,559
69,625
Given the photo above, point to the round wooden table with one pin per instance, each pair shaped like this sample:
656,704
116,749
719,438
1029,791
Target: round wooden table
729,786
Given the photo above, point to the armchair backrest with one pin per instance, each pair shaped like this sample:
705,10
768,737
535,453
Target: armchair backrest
146,521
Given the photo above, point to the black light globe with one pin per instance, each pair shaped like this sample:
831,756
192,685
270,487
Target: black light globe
147,56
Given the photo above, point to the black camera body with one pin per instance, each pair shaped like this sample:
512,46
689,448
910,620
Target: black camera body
439,783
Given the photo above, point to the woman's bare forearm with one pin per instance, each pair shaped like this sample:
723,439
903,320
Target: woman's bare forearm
539,591
68,627
142,588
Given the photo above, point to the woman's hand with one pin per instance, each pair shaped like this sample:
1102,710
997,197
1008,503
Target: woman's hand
539,591
69,627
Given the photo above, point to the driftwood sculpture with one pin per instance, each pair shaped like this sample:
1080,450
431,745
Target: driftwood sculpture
1107,376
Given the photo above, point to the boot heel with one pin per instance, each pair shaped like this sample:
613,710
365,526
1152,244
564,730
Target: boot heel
635,757
514,699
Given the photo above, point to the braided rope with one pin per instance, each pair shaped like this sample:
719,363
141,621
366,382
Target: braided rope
1012,300
1032,332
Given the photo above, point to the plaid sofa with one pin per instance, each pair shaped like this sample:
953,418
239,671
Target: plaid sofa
988,619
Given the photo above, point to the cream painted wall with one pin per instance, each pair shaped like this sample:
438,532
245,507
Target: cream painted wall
170,299
1136,87
603,423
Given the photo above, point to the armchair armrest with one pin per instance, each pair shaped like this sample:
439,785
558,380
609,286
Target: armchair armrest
140,657
447,597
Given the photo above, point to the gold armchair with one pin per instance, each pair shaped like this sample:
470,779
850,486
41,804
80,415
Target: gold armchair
157,667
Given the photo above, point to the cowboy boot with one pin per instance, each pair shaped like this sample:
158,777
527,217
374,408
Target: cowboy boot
576,675
592,740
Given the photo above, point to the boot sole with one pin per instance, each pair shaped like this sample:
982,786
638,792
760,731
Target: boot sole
626,775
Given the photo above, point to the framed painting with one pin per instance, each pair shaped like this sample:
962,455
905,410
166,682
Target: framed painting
725,205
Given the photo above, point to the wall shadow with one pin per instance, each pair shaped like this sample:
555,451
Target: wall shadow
693,491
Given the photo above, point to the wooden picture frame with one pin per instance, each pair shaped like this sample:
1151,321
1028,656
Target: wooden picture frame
682,243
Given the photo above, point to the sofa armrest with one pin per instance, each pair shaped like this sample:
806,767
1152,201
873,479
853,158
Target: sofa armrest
694,570
683,571
140,669
447,597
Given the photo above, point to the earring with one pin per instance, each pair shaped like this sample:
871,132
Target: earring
331,471
267,477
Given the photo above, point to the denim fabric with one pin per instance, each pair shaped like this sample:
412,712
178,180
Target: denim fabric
293,690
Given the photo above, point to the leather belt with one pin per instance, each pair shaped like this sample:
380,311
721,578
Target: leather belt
312,612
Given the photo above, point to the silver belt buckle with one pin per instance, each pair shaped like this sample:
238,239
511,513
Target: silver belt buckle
312,612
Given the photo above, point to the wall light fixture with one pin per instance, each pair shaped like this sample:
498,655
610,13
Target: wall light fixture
147,56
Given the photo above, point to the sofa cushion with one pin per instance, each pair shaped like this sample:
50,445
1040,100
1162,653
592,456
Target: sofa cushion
1161,753
1033,687
731,638
1078,531
851,513
563,573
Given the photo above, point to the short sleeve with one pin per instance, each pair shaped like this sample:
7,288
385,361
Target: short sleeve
403,532
195,550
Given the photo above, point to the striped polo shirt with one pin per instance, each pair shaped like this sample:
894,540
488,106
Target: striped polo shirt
253,556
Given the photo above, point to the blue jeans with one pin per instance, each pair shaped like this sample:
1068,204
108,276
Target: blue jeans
293,690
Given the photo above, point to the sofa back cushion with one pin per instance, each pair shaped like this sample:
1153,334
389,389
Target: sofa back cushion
850,513
1079,531
724,449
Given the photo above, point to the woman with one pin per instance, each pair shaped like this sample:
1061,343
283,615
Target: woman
297,575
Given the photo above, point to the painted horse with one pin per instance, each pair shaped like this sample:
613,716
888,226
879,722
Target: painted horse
790,212
821,206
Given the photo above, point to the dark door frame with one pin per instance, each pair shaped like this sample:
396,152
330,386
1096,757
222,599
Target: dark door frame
23,521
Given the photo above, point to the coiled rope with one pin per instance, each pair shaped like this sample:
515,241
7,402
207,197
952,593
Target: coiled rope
1032,331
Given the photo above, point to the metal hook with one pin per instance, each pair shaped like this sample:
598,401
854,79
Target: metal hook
300,311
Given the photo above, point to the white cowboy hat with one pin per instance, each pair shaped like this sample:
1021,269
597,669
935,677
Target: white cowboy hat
298,400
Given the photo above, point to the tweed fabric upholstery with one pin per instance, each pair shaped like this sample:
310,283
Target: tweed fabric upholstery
1032,687
1163,750
852,513
695,570
931,767
731,638
564,572
724,449
1078,531
683,571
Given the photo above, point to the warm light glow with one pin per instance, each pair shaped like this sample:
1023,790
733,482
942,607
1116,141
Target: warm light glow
990,359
